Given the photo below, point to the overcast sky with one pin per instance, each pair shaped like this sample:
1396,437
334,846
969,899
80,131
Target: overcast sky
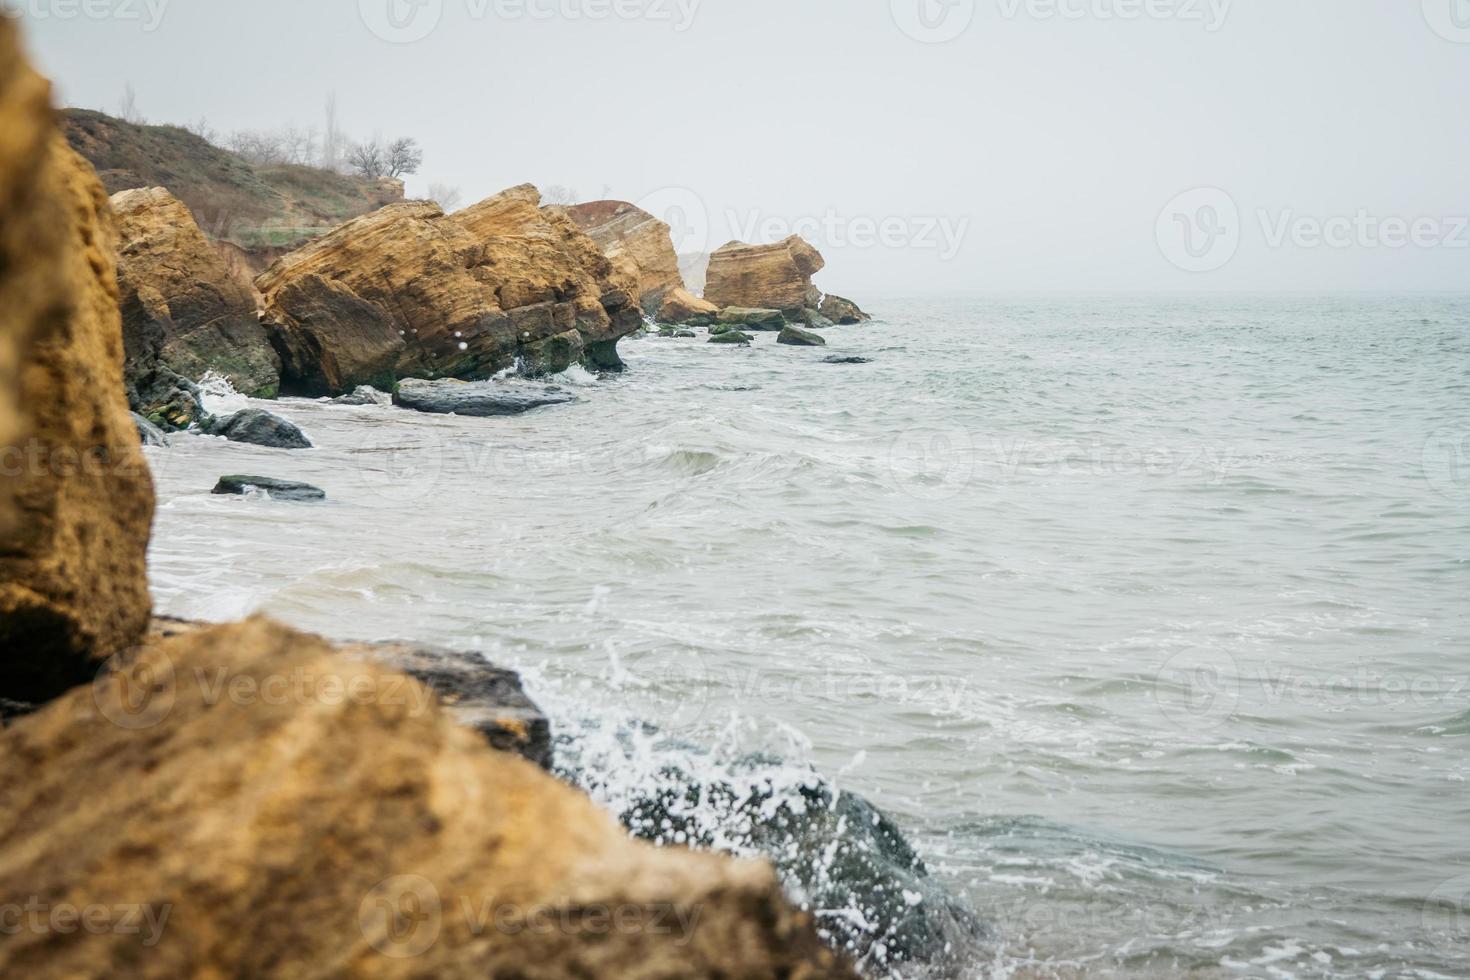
945,145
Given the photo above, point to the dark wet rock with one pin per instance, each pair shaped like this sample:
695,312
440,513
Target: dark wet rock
166,399
731,337
752,319
814,319
684,334
842,311
276,489
148,433
797,337
481,399
872,895
553,355
675,332
479,695
364,395
259,428
846,359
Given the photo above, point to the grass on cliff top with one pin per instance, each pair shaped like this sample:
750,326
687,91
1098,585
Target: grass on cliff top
232,199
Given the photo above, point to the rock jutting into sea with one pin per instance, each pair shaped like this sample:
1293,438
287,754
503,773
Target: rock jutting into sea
481,399
185,314
627,233
288,490
260,428
410,292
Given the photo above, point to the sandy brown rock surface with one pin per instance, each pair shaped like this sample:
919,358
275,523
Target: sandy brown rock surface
682,307
255,804
184,309
76,506
626,230
777,277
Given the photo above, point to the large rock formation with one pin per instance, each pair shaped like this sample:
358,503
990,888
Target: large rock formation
625,230
777,277
185,312
684,308
409,292
242,801
76,500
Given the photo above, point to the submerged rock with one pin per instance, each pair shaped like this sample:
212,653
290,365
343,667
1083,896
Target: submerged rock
873,896
305,812
797,337
185,314
752,319
364,395
479,695
259,428
275,489
480,399
75,522
842,311
148,433
846,359
777,276
682,308
731,336
625,232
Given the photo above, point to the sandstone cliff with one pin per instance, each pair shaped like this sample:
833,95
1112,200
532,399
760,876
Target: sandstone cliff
773,277
76,502
185,312
411,292
626,230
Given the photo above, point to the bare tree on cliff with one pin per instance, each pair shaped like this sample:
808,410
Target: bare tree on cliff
404,157
128,108
447,196
367,160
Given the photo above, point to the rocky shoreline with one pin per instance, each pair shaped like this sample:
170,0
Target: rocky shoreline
240,775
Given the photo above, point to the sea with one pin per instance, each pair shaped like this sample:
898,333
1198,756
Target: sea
1145,621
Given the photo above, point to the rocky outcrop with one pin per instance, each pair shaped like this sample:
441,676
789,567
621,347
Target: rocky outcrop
185,313
288,490
76,501
796,337
409,292
264,805
626,230
259,428
752,319
841,311
478,399
777,277
731,337
365,395
682,308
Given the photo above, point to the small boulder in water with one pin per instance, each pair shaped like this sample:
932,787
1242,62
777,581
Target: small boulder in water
479,399
731,337
275,489
797,337
753,319
259,428
842,311
150,434
364,395
846,359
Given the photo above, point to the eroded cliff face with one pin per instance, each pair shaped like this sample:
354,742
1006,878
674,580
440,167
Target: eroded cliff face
771,277
185,312
76,498
409,291
624,230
